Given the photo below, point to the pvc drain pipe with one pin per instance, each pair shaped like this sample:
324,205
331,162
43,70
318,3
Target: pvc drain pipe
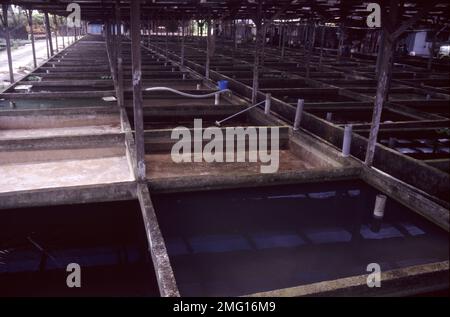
298,114
219,123
268,103
216,99
186,94
380,204
392,142
347,142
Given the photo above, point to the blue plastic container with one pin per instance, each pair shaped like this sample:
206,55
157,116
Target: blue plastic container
223,84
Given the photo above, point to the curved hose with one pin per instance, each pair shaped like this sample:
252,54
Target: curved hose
186,94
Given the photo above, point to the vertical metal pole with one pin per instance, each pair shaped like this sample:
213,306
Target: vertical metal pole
137,88
298,114
49,33
347,142
280,35
381,42
119,55
167,42
67,32
208,48
263,50
56,32
267,104
64,33
182,42
321,45
380,97
8,41
258,44
30,25
46,44
149,31
311,49
341,42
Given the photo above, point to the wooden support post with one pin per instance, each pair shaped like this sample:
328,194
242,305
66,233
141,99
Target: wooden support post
46,44
182,41
258,45
120,93
283,41
322,40
167,42
112,42
431,50
263,50
49,33
8,41
385,72
280,35
109,50
56,32
382,88
433,47
67,31
381,42
234,39
64,33
305,36
341,42
208,48
137,88
30,25
149,31
310,50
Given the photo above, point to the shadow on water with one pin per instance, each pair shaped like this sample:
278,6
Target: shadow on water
106,239
241,241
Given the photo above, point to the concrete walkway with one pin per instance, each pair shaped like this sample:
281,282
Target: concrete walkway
23,59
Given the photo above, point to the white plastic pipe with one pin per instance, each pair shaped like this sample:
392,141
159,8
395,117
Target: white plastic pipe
186,94
347,142
218,123
216,99
392,142
267,104
298,114
380,204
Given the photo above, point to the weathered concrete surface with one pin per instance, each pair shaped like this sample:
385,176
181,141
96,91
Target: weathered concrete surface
28,176
68,195
164,273
49,132
401,282
162,166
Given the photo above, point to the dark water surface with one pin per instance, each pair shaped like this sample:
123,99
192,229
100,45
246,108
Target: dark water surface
106,239
241,241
